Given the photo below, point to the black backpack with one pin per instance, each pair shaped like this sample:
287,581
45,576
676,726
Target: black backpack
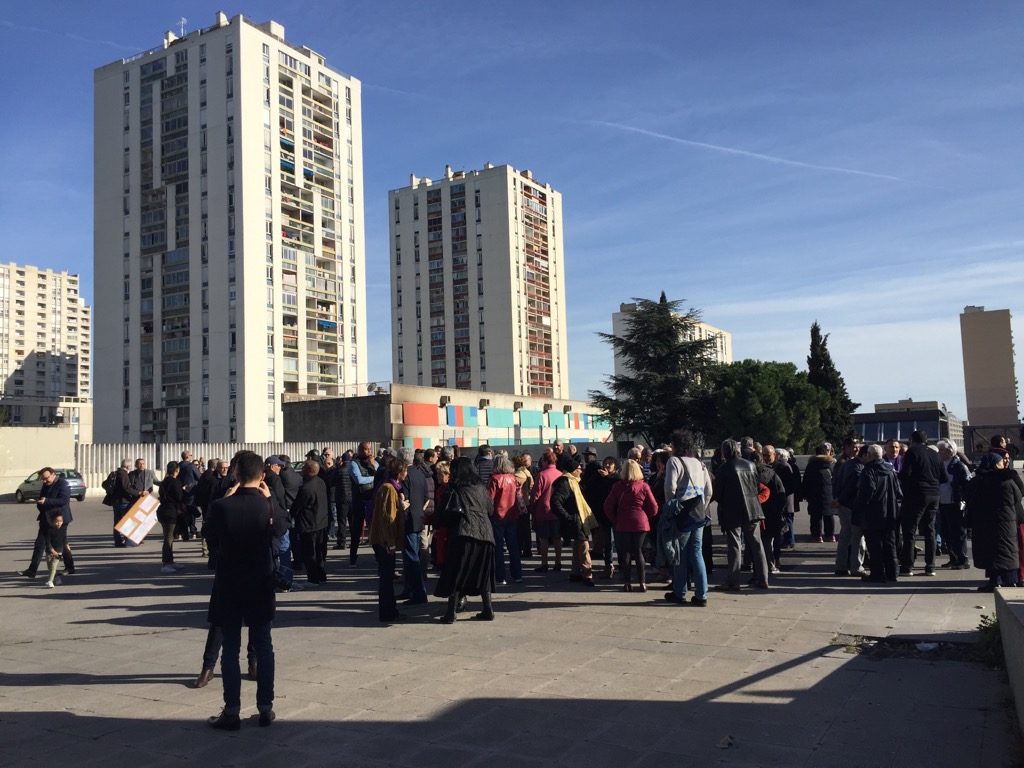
108,486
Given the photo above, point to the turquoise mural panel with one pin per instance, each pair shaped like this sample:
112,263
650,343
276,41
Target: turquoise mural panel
556,419
501,417
531,419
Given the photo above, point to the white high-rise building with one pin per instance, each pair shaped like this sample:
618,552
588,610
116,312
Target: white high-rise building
721,351
44,345
478,283
229,244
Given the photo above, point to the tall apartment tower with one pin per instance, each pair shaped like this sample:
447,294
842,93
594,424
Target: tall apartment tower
44,343
478,283
229,244
721,353
989,380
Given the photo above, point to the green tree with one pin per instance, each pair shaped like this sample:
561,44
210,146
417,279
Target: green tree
837,415
665,379
770,401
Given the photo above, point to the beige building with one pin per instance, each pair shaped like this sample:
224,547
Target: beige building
229,198
478,283
989,378
723,339
45,347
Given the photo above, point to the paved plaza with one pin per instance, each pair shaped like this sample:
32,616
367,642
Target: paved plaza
96,672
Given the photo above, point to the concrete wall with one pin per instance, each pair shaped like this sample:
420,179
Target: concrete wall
1010,612
24,450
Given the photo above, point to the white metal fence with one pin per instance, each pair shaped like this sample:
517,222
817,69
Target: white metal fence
95,461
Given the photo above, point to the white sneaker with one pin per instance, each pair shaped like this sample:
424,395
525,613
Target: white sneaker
168,569
49,585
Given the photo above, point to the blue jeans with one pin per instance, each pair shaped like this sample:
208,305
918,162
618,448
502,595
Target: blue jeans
413,576
332,521
259,635
506,532
789,537
285,572
691,561
120,508
386,607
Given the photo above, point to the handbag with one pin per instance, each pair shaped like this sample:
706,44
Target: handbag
521,507
452,513
684,508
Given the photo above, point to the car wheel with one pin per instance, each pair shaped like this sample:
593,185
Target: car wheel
81,497
19,496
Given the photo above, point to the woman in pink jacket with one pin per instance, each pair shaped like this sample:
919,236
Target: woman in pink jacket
503,488
545,524
630,506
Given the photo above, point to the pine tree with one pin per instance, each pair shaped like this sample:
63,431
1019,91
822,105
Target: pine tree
837,414
664,385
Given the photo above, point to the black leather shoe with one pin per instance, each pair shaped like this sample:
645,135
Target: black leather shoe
223,722
27,574
266,718
483,616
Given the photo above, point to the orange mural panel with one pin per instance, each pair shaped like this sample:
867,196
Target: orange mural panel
420,414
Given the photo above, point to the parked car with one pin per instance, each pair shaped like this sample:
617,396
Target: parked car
33,485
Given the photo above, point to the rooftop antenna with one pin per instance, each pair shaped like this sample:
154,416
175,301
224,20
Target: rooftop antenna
181,23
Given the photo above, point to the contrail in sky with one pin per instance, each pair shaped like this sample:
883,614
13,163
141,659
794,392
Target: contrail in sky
70,35
746,153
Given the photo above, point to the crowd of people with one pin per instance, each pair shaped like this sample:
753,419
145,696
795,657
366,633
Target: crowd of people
646,518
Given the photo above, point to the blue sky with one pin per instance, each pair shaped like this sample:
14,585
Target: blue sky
770,163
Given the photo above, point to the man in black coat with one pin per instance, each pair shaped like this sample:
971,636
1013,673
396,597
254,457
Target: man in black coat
740,514
240,529
850,549
54,499
876,512
188,476
309,514
419,490
920,476
123,496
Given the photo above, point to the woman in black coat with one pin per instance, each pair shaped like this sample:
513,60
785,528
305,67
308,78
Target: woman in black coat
817,489
995,509
469,558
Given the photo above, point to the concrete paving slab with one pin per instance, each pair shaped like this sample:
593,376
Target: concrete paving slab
563,677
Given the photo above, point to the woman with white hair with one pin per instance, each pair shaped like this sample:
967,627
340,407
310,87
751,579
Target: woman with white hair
952,494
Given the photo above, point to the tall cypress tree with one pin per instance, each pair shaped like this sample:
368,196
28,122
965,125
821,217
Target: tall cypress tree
837,414
664,385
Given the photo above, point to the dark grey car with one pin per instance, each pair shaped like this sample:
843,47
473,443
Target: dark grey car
33,485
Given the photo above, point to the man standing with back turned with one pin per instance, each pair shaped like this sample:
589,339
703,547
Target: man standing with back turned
240,530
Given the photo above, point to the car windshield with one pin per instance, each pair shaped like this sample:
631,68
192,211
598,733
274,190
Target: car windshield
69,474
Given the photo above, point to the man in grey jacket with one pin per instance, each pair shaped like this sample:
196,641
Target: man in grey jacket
740,515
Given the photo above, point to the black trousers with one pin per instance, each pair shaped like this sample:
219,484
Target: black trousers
356,521
314,555
918,516
953,532
882,554
819,520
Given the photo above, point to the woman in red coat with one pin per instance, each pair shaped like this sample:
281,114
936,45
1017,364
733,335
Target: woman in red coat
630,507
